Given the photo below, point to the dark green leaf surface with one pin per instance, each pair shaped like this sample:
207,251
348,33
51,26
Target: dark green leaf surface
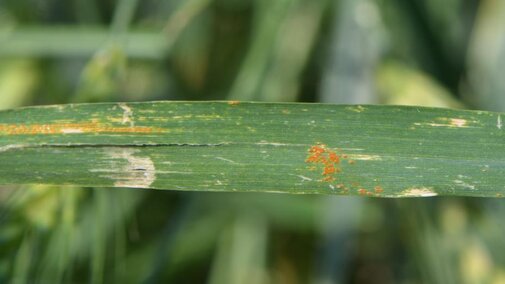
385,151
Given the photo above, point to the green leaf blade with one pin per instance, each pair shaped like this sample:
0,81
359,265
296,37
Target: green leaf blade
383,151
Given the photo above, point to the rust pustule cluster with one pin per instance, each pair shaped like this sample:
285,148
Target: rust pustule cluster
330,163
320,155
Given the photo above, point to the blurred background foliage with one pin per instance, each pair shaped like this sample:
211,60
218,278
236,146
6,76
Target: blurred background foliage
433,53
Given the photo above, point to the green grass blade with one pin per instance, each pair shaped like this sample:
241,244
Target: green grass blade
385,151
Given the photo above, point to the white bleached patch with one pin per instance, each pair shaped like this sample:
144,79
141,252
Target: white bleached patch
10,147
303,178
71,130
357,108
277,144
227,160
458,122
365,157
451,122
464,184
418,192
138,172
127,114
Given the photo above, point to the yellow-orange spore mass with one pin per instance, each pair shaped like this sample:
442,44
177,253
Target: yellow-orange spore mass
334,157
328,161
378,189
327,158
67,128
329,169
362,191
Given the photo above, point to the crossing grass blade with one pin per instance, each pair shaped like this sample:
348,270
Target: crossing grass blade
368,150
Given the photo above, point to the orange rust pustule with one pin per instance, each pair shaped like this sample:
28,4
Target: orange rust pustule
318,149
378,190
233,103
72,128
329,169
327,158
316,153
328,161
333,157
329,179
362,191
